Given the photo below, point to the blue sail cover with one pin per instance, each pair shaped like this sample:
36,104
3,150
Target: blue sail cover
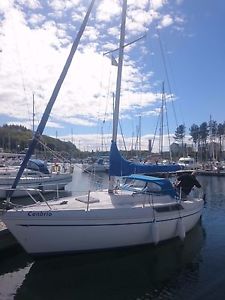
38,165
122,167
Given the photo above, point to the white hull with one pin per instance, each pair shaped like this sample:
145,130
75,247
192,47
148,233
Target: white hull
44,183
64,228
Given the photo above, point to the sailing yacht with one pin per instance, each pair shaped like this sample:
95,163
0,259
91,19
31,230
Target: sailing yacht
100,165
37,176
140,210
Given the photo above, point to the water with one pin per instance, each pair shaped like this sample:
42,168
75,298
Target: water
173,270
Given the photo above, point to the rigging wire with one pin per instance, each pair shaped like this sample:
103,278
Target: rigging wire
58,156
164,61
156,129
168,131
22,75
166,72
19,64
63,160
124,143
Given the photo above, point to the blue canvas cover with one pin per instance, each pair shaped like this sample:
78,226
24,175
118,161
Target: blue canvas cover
165,184
38,165
122,167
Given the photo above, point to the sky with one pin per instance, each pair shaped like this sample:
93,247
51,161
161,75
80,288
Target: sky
180,43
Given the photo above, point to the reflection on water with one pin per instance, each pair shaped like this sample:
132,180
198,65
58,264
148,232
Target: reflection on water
138,273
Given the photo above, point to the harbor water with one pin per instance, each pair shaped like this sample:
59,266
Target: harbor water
193,269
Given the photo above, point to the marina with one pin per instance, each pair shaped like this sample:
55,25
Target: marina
192,269
102,214
142,210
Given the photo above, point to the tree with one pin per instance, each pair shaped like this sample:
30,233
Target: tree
194,132
220,133
15,138
179,135
203,135
212,137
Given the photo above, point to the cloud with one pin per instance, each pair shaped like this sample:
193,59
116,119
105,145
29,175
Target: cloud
166,21
80,121
32,4
89,142
29,124
158,4
107,10
36,19
35,39
58,5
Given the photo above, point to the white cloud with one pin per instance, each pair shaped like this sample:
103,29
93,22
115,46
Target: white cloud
91,33
80,121
89,142
32,4
114,31
59,5
36,19
108,9
166,21
35,47
29,124
157,4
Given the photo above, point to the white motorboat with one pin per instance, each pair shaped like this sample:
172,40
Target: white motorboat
188,163
141,211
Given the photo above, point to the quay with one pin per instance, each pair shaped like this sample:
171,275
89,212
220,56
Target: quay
210,173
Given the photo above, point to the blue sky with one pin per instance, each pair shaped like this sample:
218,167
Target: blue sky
35,39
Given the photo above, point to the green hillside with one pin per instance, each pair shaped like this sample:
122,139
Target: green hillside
16,139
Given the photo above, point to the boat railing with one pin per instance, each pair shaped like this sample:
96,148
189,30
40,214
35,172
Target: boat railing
194,193
31,193
8,204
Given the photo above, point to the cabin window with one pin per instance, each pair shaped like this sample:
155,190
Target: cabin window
135,185
168,208
152,187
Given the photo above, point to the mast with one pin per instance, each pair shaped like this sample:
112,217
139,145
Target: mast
162,122
51,102
161,131
140,137
102,143
119,72
116,108
33,115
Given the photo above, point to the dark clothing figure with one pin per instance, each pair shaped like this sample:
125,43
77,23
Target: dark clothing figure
186,182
